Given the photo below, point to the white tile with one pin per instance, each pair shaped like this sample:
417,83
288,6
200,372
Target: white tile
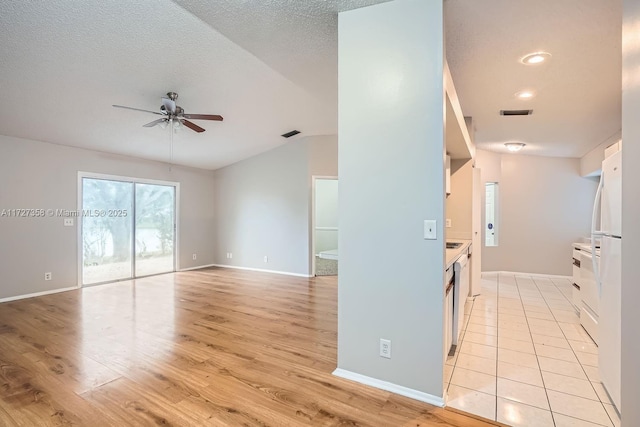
513,326
477,338
537,312
569,385
514,335
568,316
517,414
475,363
522,393
555,353
587,358
539,315
516,345
550,341
566,421
472,401
613,414
517,358
592,373
546,330
483,320
513,318
561,367
543,323
474,380
510,311
520,373
585,347
482,329
480,350
578,407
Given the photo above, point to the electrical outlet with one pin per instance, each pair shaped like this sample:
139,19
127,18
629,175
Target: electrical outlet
47,276
385,348
448,223
230,254
266,258
68,222
195,256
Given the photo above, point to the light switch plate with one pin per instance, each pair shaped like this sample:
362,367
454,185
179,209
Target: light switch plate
448,223
430,232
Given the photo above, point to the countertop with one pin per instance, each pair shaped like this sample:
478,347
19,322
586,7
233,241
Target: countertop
453,254
585,247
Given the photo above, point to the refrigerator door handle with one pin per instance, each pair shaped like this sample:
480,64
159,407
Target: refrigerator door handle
596,233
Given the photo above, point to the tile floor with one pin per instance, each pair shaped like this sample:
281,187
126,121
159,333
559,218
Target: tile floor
524,359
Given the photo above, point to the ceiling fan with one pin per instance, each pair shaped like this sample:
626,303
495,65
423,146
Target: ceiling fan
172,113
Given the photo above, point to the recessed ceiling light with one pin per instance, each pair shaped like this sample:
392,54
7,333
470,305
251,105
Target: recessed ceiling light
535,58
514,146
525,94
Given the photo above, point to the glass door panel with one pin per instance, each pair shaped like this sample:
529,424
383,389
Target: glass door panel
106,230
154,229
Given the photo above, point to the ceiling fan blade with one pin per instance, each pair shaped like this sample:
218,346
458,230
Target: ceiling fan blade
203,117
137,109
169,105
192,126
153,123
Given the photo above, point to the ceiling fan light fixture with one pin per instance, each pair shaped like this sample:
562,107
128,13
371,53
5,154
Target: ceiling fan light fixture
514,146
535,58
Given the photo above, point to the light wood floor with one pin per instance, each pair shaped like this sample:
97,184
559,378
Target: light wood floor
210,347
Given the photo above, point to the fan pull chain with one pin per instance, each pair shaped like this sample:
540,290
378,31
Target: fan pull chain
171,145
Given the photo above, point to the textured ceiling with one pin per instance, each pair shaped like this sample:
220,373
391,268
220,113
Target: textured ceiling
578,102
270,66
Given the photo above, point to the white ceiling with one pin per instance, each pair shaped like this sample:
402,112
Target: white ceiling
271,66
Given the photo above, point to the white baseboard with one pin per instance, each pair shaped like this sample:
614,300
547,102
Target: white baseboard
198,267
393,388
38,294
262,270
520,273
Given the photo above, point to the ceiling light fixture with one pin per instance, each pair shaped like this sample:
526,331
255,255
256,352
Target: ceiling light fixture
514,146
535,58
525,94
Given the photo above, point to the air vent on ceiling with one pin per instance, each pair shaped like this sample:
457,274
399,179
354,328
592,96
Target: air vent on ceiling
516,112
290,134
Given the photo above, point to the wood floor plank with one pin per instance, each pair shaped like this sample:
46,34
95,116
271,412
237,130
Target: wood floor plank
213,347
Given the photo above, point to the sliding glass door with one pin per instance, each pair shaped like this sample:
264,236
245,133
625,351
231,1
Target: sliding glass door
154,235
128,229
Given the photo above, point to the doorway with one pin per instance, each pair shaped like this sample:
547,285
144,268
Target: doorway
127,228
325,226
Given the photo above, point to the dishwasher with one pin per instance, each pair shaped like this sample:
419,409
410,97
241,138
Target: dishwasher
448,311
460,293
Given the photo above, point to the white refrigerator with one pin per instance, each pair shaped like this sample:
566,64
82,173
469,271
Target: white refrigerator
608,205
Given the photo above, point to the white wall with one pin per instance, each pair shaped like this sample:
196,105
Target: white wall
40,175
630,213
544,206
263,206
391,151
